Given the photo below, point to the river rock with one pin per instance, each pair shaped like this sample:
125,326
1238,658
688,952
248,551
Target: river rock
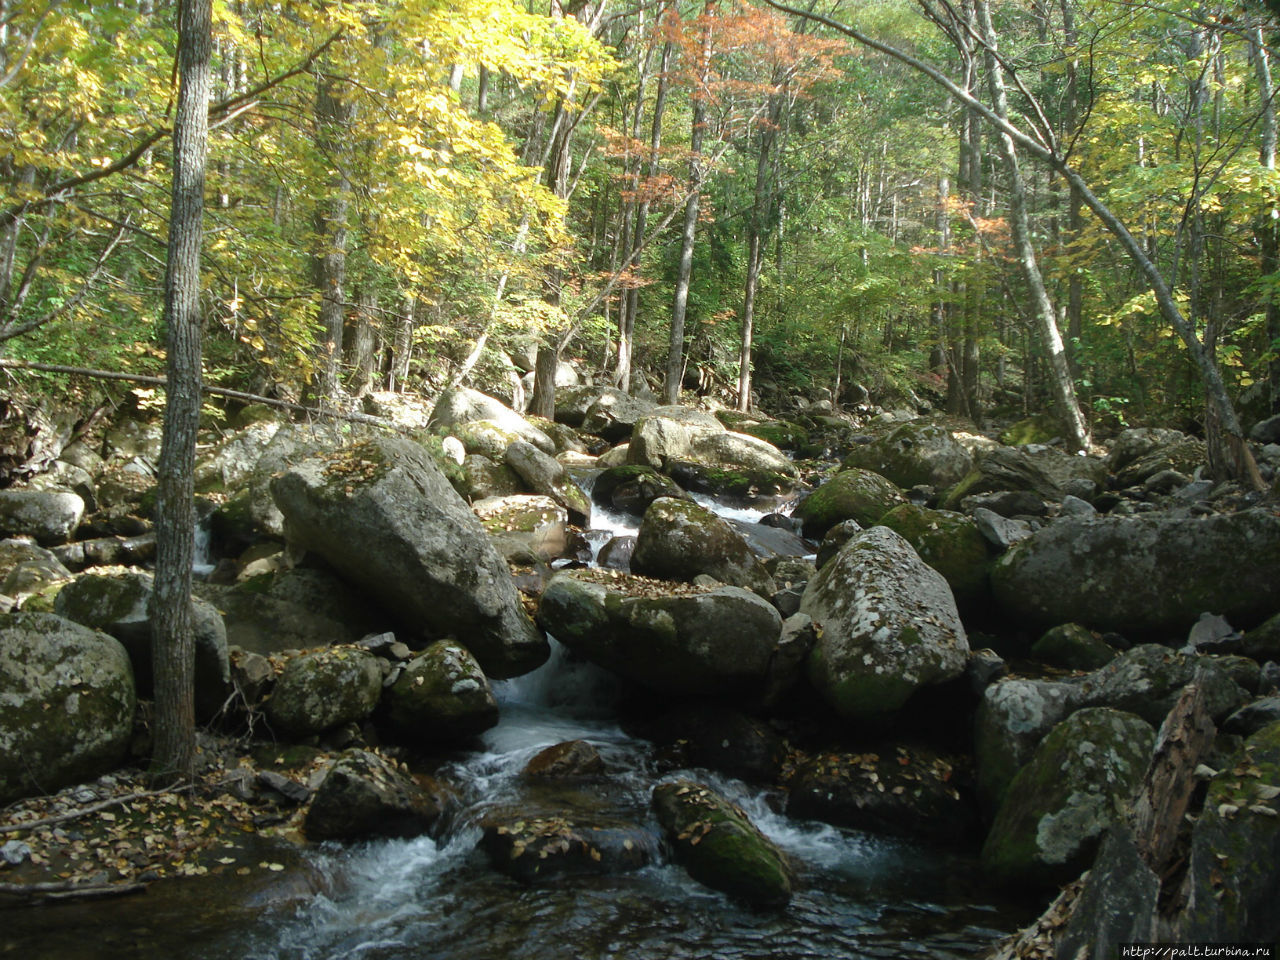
1149,576
949,542
1014,715
710,643
854,494
718,844
1081,779
118,605
326,689
612,414
631,488
1046,471
1235,849
1117,904
889,626
679,539
462,405
1140,453
564,761
729,450
50,516
545,475
913,454
363,795
230,463
484,477
721,738
1074,647
442,696
667,433
1147,680
900,791
290,444
383,515
66,704
540,847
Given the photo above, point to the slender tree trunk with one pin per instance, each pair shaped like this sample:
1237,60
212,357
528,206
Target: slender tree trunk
543,403
360,351
756,227
675,353
172,643
333,115
1059,372
1266,225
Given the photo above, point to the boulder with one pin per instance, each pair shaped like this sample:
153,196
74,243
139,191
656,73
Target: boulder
718,844
486,438
564,761
769,542
740,451
108,551
913,454
290,444
889,626
540,847
632,488
853,494
1014,715
782,434
230,463
678,540
50,516
1140,453
1080,780
1074,647
538,524
546,476
118,605
364,795
949,542
383,515
326,689
485,478
694,642
66,704
442,696
1150,576
1117,904
1235,849
1147,680
900,791
721,738
612,414
462,405
1042,470
667,433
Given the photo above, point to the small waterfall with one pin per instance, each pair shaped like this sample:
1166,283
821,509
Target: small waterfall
201,556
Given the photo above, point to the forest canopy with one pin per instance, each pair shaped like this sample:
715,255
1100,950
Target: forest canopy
398,190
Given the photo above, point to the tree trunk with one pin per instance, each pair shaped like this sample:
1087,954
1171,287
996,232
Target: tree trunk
1059,372
333,115
675,352
172,644
360,352
1266,224
543,403
756,227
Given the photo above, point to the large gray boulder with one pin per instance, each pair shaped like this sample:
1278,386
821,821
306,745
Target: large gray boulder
66,704
229,463
1047,471
1013,717
118,605
612,414
914,454
325,689
1140,453
1146,576
729,450
545,475
854,494
365,795
383,515
290,444
951,543
712,643
442,696
889,626
668,433
1080,780
679,539
51,516
462,405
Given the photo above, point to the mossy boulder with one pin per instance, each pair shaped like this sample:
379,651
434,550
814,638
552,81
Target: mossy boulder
1148,577
949,542
536,847
229,463
545,475
611,414
1081,779
899,791
1235,850
1042,428
1074,647
292,443
483,477
718,844
363,795
442,696
1046,471
732,483
50,516
889,626
461,405
687,642
322,690
632,487
854,494
782,434
915,453
1142,452
67,702
537,523
119,605
680,540
382,514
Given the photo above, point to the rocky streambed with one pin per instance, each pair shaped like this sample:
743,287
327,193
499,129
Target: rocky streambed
893,721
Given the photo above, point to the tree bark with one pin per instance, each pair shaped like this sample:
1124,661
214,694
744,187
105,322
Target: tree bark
543,403
1059,371
756,227
675,351
172,644
1266,225
333,115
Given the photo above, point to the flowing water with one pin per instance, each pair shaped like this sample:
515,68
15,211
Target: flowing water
857,895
